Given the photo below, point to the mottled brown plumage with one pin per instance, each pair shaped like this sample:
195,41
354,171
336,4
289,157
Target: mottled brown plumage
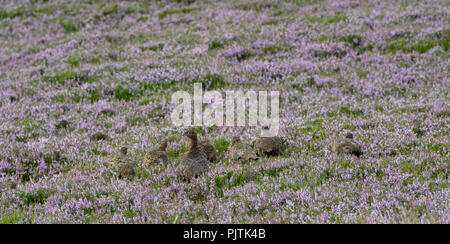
194,163
270,146
126,171
347,145
156,156
122,166
240,151
208,149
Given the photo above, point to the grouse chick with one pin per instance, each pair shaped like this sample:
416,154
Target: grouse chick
270,146
347,145
156,156
240,151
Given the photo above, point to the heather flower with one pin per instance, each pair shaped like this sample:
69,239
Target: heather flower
376,69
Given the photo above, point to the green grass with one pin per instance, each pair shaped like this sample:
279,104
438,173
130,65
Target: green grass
37,197
233,179
362,73
318,117
123,94
94,95
61,77
216,44
70,25
214,81
272,49
345,109
246,55
4,14
351,39
158,86
221,145
134,121
326,54
170,12
153,48
440,38
74,61
68,76
110,10
379,108
13,218
230,180
443,114
326,20
177,153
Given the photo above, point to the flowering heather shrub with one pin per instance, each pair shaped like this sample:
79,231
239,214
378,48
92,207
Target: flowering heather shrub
378,69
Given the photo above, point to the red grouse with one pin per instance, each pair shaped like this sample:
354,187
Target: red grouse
194,163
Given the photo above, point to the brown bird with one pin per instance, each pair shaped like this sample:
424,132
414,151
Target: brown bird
347,145
122,166
240,151
156,156
270,146
208,149
194,163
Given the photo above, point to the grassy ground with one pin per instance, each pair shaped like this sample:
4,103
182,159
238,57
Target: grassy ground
376,69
